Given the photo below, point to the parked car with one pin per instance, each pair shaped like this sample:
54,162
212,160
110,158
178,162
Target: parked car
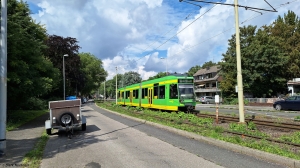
207,99
291,103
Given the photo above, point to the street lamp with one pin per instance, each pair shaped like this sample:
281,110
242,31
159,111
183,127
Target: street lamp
64,74
166,64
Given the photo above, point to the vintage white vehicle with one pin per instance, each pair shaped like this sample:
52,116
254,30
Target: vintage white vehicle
65,115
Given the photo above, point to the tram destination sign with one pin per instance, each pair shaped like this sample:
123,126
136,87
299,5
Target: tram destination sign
185,81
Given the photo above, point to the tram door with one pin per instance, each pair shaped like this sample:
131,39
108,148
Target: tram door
150,92
122,100
130,96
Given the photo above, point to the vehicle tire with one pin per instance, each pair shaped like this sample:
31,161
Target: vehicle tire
66,117
83,127
207,102
48,131
278,107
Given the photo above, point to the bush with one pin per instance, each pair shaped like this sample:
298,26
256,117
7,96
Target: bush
234,101
31,103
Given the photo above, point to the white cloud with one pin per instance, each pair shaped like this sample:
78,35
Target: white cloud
129,33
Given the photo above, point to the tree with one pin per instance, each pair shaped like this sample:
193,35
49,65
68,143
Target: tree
228,65
130,78
193,70
208,64
287,30
270,58
30,75
158,75
75,78
93,71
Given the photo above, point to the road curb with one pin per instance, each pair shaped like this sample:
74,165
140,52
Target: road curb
222,144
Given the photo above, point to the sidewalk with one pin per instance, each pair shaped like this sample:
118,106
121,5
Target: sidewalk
21,140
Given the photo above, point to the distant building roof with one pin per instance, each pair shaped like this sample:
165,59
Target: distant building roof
211,69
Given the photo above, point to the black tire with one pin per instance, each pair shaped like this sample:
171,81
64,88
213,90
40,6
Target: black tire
207,102
64,114
83,127
278,107
48,131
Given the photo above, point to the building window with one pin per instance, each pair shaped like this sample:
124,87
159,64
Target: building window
213,84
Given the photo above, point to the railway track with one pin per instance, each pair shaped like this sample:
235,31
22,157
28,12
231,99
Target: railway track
267,123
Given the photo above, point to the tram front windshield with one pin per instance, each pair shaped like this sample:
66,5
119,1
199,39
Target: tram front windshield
186,91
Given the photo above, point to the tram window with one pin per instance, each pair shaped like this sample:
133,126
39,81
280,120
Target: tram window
155,91
162,92
146,92
173,91
136,93
127,94
133,93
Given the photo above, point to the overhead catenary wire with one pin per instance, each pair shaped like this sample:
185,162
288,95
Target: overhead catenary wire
251,18
246,7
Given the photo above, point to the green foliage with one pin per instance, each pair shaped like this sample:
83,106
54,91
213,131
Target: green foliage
34,103
251,126
294,138
93,71
130,78
234,101
30,74
17,118
238,127
158,75
269,58
193,70
297,117
75,79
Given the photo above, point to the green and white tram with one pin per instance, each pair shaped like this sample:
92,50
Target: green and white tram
173,92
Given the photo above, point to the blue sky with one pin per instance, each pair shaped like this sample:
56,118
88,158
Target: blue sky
134,34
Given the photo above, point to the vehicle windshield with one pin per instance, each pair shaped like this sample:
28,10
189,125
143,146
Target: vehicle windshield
186,91
291,98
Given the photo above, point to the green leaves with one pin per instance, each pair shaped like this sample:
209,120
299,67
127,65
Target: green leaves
270,57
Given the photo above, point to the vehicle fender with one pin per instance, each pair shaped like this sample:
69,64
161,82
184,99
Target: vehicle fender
47,124
83,120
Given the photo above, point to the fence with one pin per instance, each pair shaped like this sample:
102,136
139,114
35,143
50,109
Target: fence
262,100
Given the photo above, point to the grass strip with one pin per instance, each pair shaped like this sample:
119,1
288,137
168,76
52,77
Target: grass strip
19,117
34,157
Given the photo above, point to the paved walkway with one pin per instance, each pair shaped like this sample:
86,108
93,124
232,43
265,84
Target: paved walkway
21,140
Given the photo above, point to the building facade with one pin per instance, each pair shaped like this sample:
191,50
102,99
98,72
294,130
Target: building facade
294,86
207,81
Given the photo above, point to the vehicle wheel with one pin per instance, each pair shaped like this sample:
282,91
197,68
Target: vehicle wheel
278,107
48,131
66,119
207,102
83,127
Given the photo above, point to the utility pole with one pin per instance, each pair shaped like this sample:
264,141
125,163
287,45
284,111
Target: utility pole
117,85
3,77
239,66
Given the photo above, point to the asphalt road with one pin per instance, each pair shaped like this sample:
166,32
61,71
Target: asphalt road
115,141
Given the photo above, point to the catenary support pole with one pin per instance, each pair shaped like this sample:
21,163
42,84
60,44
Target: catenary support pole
117,85
3,77
239,66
